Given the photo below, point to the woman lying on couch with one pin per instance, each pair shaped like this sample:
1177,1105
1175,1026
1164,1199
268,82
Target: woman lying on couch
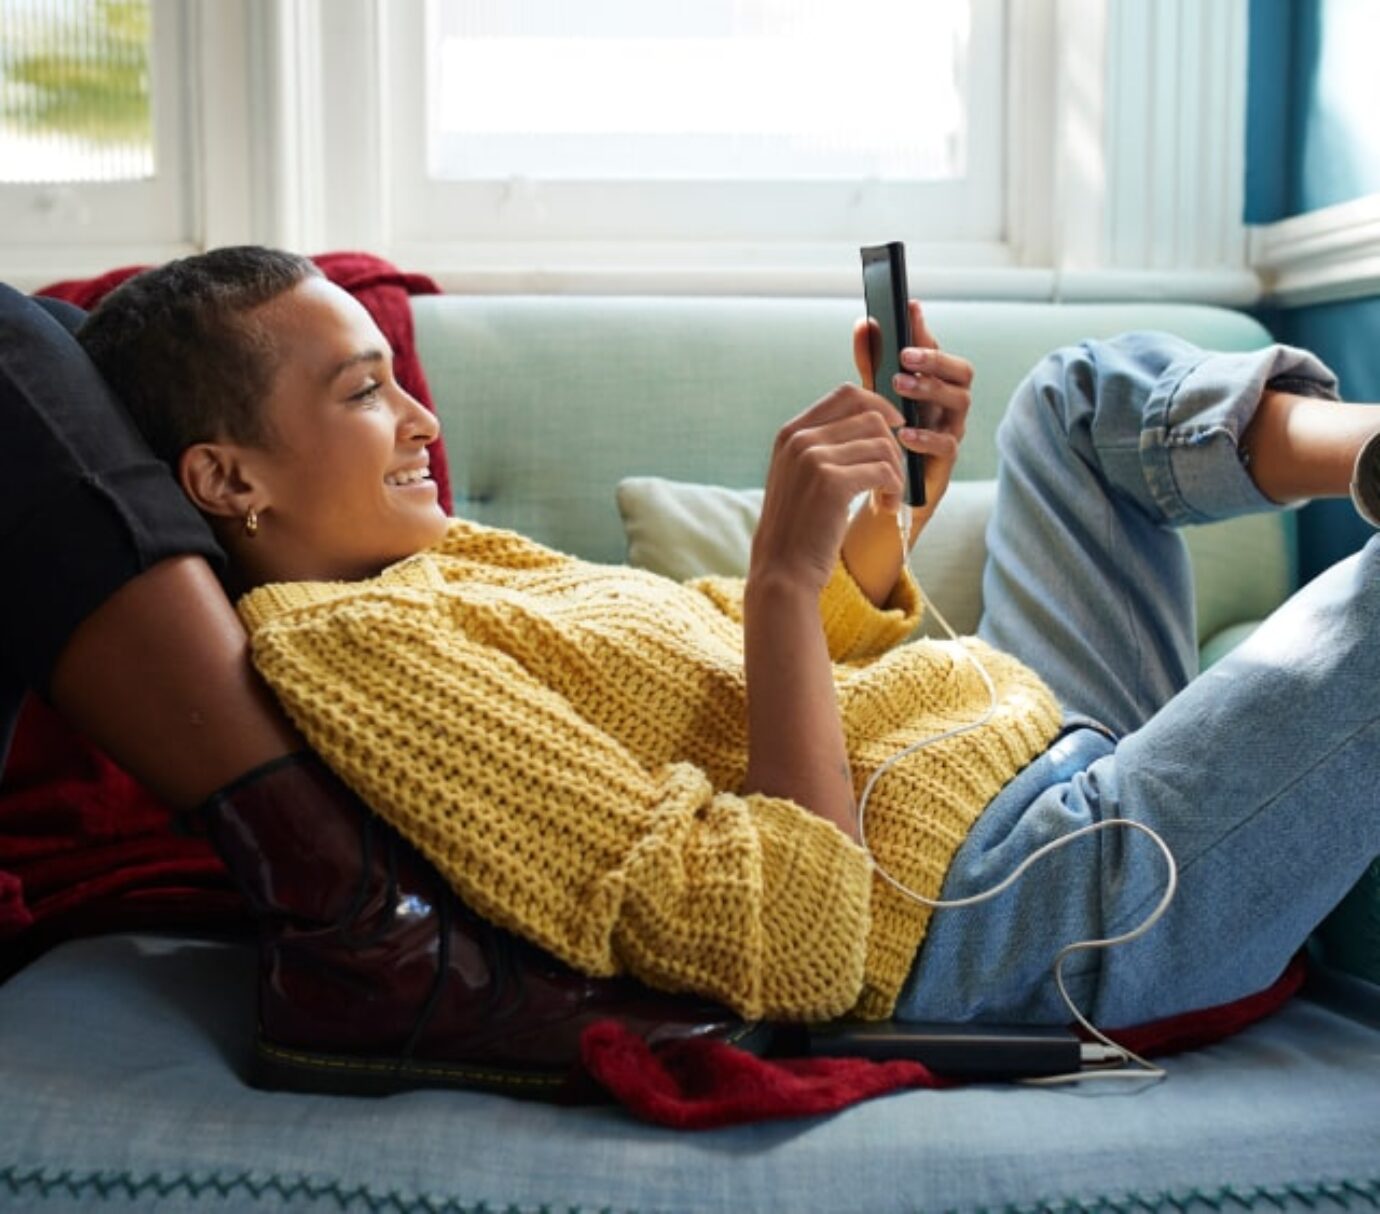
661,780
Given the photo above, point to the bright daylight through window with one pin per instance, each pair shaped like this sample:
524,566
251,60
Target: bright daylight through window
729,90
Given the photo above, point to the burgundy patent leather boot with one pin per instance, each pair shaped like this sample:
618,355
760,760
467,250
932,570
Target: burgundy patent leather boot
374,977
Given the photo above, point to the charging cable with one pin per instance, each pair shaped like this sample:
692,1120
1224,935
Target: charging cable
1108,1051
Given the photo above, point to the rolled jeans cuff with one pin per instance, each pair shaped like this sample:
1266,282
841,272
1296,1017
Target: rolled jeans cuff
1190,445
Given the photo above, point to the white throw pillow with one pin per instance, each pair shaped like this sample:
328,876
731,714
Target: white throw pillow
686,530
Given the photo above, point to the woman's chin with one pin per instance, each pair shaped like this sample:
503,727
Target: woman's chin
429,529
439,524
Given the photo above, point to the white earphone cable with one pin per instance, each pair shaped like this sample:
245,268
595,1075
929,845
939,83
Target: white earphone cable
1143,1069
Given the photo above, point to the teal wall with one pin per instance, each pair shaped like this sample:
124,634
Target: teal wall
1314,111
1313,140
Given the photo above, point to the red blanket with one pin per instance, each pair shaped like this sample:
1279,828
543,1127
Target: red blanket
701,1085
83,846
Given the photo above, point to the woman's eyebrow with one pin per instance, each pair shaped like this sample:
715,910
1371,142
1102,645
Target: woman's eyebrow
364,356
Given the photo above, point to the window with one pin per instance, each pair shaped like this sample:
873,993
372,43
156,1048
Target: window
91,123
719,90
1035,149
615,130
74,92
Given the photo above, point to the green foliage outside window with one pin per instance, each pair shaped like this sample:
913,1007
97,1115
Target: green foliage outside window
86,78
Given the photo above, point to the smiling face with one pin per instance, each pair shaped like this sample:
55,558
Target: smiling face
341,485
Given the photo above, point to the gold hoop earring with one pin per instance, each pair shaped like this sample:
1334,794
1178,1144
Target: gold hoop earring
251,522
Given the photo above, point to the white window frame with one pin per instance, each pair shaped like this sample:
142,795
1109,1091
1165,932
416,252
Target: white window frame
1123,166
714,235
1123,173
1146,189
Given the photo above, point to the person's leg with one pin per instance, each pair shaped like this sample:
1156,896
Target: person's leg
1105,450
1261,775
115,613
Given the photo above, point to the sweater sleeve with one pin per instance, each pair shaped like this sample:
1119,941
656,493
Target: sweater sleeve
854,627
550,828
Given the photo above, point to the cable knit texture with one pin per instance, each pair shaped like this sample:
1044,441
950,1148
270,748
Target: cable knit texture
565,742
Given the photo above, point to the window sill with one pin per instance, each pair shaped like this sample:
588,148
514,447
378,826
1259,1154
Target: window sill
950,271
1325,256
976,272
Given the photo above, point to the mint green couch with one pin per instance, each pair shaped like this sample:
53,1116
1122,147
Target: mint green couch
547,403
121,1057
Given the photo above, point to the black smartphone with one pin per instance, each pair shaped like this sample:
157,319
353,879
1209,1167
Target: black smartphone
888,320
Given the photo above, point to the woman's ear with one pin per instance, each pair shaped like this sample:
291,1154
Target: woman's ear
213,476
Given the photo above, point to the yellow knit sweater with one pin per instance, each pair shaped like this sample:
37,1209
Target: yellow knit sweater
565,742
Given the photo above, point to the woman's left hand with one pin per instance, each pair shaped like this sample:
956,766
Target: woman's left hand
941,383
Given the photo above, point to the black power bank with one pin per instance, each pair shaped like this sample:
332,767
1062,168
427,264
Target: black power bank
967,1051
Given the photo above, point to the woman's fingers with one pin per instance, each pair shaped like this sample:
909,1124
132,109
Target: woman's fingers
854,471
939,363
937,380
845,456
951,402
930,442
923,353
846,401
848,429
816,471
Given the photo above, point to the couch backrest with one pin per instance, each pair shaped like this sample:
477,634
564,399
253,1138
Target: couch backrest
547,402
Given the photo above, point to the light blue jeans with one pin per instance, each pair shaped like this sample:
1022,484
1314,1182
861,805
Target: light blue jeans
1262,775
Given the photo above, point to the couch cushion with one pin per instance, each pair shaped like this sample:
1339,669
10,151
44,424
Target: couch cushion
684,530
695,388
547,403
128,1051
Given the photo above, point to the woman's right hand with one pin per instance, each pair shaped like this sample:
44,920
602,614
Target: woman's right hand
841,446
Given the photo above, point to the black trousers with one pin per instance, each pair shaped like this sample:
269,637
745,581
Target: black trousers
84,505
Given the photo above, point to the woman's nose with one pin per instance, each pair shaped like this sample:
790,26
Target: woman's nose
415,421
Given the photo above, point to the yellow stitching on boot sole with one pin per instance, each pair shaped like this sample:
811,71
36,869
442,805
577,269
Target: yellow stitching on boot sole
322,1062
403,1069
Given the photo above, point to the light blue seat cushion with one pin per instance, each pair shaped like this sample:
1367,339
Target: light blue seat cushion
120,1071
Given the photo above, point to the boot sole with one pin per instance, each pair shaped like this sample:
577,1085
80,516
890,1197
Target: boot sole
283,1069
276,1068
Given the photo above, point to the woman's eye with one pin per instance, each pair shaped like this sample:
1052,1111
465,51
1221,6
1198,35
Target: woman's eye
368,394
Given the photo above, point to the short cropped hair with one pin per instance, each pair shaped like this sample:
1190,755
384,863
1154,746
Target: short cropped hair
180,351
